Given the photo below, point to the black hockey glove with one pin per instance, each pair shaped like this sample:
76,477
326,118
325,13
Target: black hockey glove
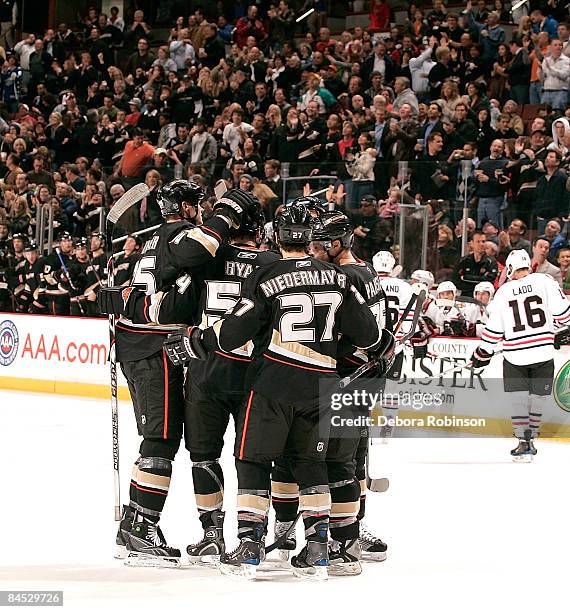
561,338
184,345
420,339
384,353
118,301
237,204
480,359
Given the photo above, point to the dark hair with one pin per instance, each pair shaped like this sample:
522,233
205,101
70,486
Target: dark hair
478,232
537,238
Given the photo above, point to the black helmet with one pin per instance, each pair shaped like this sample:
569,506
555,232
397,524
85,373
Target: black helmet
99,235
334,225
253,221
65,235
82,242
294,226
31,246
171,196
313,203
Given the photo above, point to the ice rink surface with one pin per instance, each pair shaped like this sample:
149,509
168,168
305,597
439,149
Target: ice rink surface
467,529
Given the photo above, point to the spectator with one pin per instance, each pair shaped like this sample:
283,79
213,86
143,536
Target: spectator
552,232
476,267
555,77
141,58
360,166
404,95
136,155
249,25
539,262
551,195
518,72
491,185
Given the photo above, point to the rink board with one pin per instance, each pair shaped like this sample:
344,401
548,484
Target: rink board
69,356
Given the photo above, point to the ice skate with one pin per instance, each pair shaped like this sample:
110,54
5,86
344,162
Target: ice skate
523,453
127,519
242,561
344,558
289,544
147,547
208,550
312,562
373,549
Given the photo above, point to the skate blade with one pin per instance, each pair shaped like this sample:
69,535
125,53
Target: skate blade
205,560
121,551
523,459
146,560
345,569
313,574
374,556
244,571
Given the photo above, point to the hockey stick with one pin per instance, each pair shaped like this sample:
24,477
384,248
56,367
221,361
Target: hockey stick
125,202
281,539
64,267
417,299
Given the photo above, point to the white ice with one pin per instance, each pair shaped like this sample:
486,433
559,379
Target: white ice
467,529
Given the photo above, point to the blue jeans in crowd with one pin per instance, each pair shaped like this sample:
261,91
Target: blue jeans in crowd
556,99
490,209
535,92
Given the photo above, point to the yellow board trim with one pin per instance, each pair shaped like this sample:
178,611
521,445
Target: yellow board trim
34,385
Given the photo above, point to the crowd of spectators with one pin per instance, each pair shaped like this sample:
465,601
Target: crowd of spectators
241,91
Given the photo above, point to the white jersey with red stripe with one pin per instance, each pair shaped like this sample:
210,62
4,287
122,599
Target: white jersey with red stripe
523,317
398,295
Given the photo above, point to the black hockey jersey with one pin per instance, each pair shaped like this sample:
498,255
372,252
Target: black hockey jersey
365,279
294,310
169,258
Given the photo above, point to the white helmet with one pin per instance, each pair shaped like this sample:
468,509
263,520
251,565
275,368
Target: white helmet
517,260
425,277
484,286
447,286
383,262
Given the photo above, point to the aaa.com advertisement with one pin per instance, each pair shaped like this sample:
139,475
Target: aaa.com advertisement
55,354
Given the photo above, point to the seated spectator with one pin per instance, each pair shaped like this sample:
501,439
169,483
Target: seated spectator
552,233
540,263
476,267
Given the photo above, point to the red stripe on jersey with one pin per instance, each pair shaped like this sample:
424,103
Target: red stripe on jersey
145,309
486,333
232,357
294,365
165,425
244,432
532,340
141,331
211,231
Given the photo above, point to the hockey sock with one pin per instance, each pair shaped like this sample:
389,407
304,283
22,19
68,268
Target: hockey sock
132,487
538,404
284,492
254,481
520,419
314,498
151,481
208,480
361,475
345,502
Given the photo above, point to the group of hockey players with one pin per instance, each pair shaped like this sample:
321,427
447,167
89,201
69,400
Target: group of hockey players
212,327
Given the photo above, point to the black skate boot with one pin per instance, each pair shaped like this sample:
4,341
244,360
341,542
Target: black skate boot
127,520
312,562
244,560
373,549
290,542
344,558
522,453
529,440
147,546
208,550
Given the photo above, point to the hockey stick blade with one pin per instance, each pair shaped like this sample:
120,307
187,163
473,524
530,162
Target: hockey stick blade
377,485
132,196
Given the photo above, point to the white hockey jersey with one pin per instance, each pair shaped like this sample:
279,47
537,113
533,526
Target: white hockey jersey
454,318
523,315
398,294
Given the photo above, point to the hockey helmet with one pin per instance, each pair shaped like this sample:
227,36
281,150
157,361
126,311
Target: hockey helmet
484,286
425,277
65,235
314,204
447,286
383,262
334,225
31,246
82,243
171,196
294,226
99,235
517,260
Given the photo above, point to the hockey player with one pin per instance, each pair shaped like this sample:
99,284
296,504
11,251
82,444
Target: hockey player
294,310
125,263
156,386
483,293
450,315
26,277
522,317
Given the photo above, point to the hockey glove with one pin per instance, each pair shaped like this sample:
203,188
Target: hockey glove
384,353
420,339
237,205
480,359
118,301
561,338
184,345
